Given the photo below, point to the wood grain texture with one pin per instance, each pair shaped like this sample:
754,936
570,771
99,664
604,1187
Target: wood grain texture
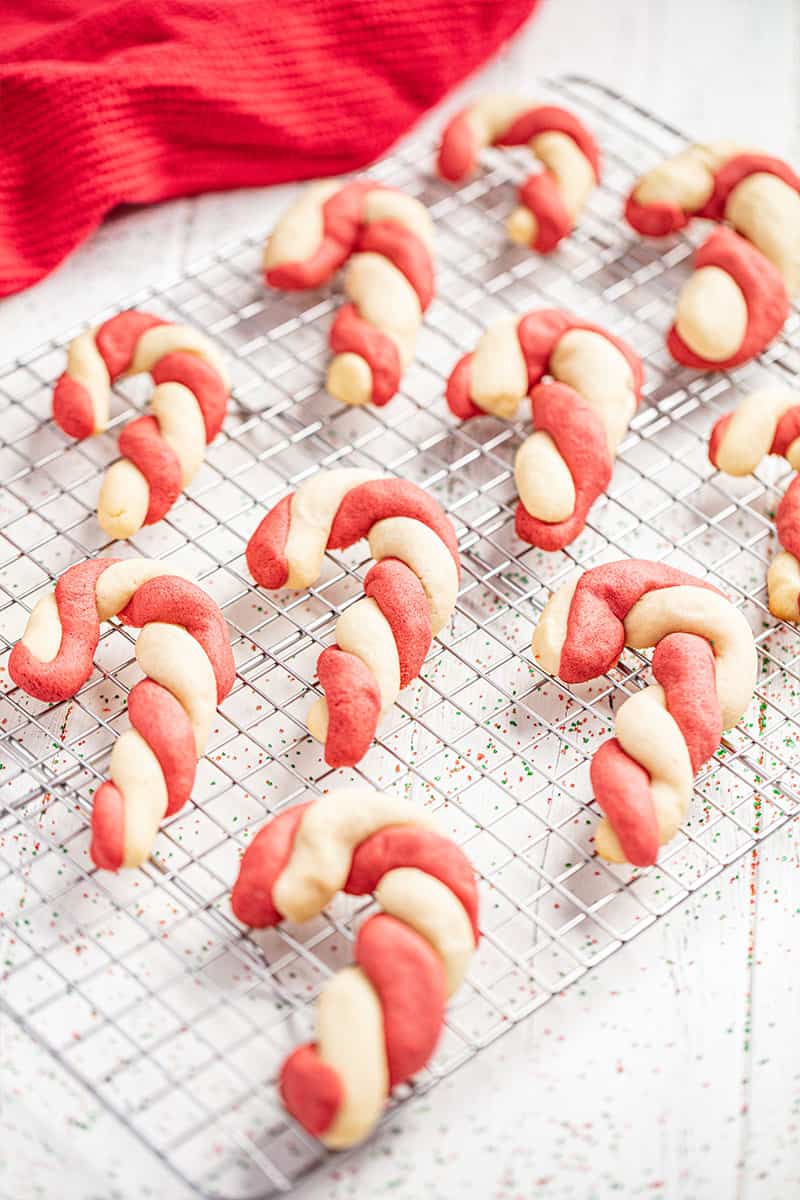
670,1071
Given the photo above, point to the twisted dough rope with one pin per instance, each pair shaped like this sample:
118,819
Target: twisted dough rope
183,649
705,669
551,201
738,298
378,1022
388,238
580,415
768,422
410,592
161,451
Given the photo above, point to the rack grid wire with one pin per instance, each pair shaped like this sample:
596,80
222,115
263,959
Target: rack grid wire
142,984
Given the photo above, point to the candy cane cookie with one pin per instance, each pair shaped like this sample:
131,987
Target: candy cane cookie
581,413
705,669
185,653
377,1022
162,450
410,592
552,200
387,237
768,422
738,297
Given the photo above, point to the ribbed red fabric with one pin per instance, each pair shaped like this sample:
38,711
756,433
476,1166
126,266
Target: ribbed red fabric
105,102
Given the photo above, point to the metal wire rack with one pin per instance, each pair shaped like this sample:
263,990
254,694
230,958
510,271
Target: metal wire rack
142,985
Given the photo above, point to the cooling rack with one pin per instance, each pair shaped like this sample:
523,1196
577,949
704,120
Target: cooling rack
142,985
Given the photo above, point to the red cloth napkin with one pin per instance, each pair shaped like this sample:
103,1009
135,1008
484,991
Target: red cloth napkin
105,102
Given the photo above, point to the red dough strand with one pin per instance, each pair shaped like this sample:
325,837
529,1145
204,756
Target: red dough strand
179,602
263,861
266,550
65,674
351,333
409,846
622,788
354,706
717,434
380,499
162,721
142,443
401,598
310,1090
107,847
684,666
341,219
787,525
206,385
409,978
602,600
787,430
735,171
582,443
764,292
539,332
408,254
458,152
655,220
787,518
116,339
542,195
73,410
457,392
549,118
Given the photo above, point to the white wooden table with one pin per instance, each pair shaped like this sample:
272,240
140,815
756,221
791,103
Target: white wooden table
674,1069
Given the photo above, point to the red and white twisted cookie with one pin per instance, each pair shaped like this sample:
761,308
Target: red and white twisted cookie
581,414
378,1022
768,422
161,451
183,649
705,668
550,201
738,298
388,238
410,592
